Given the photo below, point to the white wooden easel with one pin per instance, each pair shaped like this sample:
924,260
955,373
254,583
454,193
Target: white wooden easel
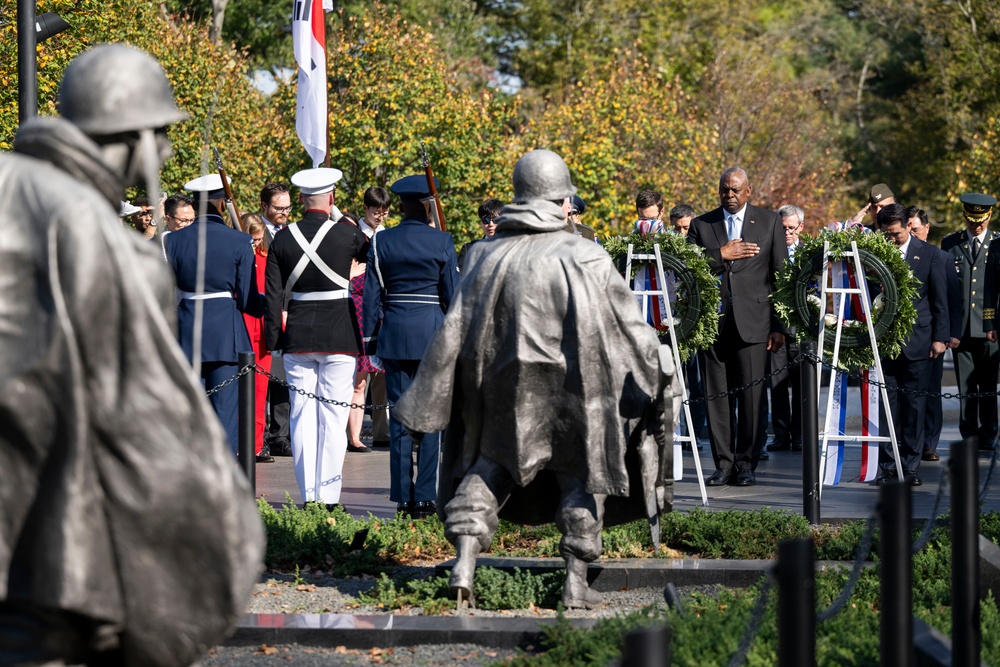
656,260
840,295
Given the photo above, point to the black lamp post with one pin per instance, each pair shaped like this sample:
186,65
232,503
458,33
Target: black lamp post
30,31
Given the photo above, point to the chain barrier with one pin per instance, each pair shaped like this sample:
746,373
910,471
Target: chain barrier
753,627
935,517
740,390
307,394
860,558
225,383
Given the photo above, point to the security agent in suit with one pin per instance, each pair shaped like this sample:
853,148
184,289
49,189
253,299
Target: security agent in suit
786,418
977,358
934,419
309,268
230,289
745,247
412,273
911,369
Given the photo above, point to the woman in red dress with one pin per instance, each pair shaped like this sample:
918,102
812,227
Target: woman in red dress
254,226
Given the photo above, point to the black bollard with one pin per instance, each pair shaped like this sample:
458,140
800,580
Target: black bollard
248,421
809,378
647,647
896,576
965,630
796,603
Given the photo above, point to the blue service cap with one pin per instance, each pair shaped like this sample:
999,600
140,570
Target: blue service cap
412,187
578,204
316,181
209,185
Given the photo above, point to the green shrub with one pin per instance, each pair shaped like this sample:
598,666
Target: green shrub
731,533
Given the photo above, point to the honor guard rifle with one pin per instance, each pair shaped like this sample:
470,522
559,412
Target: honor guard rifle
234,213
431,187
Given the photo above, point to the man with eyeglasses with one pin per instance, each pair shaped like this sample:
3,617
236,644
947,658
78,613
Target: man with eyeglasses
489,211
786,418
275,206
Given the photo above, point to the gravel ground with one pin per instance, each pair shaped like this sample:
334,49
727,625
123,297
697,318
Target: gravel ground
279,593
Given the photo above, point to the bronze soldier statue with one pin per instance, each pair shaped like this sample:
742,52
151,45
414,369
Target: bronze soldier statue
556,395
117,546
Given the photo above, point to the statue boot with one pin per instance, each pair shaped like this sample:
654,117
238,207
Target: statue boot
464,571
577,593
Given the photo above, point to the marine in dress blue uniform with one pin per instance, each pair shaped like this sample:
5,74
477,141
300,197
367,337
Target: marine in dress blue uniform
411,275
230,289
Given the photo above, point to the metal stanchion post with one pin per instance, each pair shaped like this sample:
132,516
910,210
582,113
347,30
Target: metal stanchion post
647,647
809,378
965,630
896,575
796,603
248,421
27,62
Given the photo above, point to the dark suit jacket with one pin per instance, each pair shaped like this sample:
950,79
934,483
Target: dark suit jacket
746,283
973,276
932,300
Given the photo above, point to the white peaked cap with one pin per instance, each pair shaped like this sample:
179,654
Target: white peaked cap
316,181
210,184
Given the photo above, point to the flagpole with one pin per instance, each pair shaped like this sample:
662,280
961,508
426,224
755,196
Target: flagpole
326,87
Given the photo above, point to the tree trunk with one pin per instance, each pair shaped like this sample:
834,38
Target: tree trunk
218,16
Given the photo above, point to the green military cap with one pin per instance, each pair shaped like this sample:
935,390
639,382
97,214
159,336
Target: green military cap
977,206
879,192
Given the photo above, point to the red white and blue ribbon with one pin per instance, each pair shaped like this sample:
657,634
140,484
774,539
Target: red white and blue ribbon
646,281
869,424
838,417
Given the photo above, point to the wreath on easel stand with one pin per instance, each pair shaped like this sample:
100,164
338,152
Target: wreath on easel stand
797,301
695,309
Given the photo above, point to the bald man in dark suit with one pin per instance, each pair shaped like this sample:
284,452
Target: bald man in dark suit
745,247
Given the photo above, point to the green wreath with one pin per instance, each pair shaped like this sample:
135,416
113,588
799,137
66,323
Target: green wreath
797,297
696,309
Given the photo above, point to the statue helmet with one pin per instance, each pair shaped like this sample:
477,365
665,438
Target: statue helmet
541,174
113,88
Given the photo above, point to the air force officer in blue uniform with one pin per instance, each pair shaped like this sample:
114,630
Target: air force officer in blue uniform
411,275
230,289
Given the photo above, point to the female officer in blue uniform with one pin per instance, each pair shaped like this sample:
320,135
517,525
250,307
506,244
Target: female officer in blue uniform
411,276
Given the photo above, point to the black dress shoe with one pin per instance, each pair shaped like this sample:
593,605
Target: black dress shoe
380,443
745,478
887,476
264,457
423,509
930,455
720,477
779,445
280,447
363,449
912,478
797,446
332,506
405,508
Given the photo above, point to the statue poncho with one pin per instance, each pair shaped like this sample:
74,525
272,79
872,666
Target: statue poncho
121,501
544,364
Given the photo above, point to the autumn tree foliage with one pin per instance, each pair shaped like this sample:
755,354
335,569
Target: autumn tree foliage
391,89
627,128
211,83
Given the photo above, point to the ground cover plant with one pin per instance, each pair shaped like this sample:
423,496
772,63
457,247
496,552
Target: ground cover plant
706,631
